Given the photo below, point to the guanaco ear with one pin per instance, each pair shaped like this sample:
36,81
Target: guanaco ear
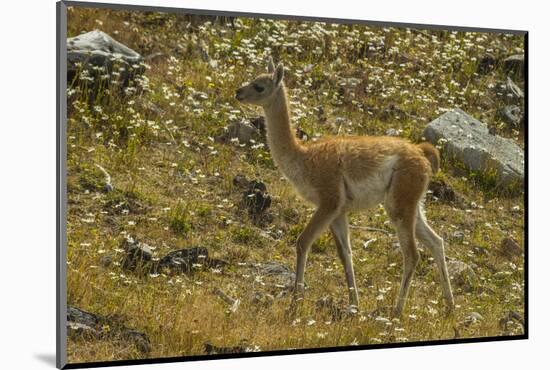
270,65
278,76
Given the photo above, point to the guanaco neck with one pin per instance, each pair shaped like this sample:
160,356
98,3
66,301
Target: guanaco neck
283,144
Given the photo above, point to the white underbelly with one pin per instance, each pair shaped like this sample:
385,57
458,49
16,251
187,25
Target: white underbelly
371,190
365,194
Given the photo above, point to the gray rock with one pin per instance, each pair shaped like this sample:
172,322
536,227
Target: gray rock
514,315
87,325
336,310
259,123
211,349
277,274
183,260
511,115
241,130
467,140
510,92
78,330
256,198
445,193
232,302
393,132
513,91
461,275
98,53
240,181
480,251
510,248
515,64
139,258
138,254
140,340
472,318
82,318
340,121
262,299
486,64
458,235
106,261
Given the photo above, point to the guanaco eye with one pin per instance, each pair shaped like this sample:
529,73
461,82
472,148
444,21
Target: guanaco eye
258,88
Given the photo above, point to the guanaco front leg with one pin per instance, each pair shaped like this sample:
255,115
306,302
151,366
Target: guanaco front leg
339,229
321,219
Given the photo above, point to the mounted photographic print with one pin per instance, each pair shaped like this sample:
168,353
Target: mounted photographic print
234,185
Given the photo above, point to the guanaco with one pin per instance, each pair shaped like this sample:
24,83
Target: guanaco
339,174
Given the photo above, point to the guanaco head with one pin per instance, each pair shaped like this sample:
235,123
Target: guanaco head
261,90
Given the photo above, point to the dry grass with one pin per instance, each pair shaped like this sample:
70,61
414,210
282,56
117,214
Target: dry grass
177,184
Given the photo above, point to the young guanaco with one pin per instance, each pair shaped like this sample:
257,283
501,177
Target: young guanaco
339,174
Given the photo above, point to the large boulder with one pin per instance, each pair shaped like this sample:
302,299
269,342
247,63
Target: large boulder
99,54
467,140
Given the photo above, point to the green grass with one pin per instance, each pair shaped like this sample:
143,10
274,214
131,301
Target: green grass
174,182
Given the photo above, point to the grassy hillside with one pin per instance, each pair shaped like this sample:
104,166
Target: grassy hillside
174,184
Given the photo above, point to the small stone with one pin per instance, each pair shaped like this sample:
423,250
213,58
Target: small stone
137,253
256,198
140,257
392,132
445,193
340,121
240,181
336,311
514,92
458,235
259,123
514,315
78,330
88,325
277,274
211,349
232,302
140,340
183,260
480,251
242,131
486,64
461,274
106,261
472,318
262,299
511,115
514,64
510,248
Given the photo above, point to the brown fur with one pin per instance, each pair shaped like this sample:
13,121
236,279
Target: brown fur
432,154
339,174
